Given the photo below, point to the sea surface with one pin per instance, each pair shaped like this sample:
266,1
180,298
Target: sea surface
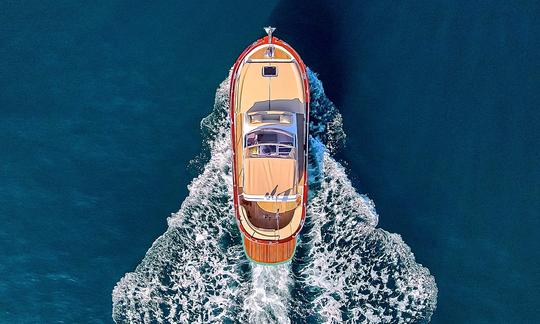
424,201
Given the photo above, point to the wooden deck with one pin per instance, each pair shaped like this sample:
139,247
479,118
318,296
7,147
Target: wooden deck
269,253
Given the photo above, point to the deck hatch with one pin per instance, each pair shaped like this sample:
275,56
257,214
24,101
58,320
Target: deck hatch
269,71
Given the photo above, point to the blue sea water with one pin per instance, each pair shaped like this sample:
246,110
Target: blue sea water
100,110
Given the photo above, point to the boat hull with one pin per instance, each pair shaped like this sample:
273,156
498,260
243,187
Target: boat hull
269,253
281,249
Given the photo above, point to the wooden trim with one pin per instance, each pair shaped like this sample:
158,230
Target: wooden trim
269,253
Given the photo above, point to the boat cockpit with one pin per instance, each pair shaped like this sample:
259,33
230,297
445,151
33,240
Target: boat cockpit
270,143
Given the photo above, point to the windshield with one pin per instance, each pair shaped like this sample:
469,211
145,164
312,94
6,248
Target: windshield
270,143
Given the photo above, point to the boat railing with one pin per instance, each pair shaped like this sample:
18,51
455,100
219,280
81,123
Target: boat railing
268,197
252,60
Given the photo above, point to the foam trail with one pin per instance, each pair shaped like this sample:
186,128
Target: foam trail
345,269
192,273
356,272
353,271
268,299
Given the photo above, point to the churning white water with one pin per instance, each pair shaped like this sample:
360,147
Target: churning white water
345,269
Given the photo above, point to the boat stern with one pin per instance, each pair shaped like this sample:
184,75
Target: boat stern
269,253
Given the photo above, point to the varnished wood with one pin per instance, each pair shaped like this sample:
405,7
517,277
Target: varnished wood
269,252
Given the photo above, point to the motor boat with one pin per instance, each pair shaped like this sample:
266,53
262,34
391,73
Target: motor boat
269,113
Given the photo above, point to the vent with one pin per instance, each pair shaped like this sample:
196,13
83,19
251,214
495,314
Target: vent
269,71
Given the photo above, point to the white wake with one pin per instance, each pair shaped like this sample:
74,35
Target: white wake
345,269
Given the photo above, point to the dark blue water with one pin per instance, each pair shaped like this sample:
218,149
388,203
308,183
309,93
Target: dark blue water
100,110
441,107
100,105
